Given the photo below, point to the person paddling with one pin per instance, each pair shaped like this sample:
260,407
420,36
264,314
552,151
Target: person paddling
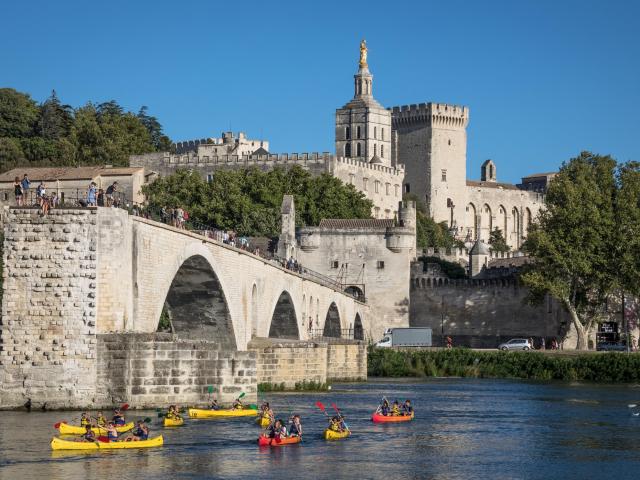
237,404
118,417
85,420
407,409
334,424
112,432
277,430
141,432
384,409
395,409
100,420
295,427
214,405
267,413
173,414
88,435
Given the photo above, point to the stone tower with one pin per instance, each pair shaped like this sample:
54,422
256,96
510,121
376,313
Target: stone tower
432,144
363,126
478,258
287,240
488,171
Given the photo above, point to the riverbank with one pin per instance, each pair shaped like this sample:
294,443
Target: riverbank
609,367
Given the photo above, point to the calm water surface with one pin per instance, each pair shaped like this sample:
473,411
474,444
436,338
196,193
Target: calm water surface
463,429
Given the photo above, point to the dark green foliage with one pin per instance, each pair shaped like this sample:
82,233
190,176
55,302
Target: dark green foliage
303,386
164,325
54,134
429,233
450,269
458,362
498,242
249,200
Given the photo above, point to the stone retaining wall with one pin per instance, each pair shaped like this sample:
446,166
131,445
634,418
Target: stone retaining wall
292,362
150,370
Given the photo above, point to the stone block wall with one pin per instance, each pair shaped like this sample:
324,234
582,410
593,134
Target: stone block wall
48,327
294,362
346,361
149,370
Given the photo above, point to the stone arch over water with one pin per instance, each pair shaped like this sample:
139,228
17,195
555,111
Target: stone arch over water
197,305
283,321
332,326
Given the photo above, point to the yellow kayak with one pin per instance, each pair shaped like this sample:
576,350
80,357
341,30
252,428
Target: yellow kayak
333,435
59,444
264,422
173,422
236,412
65,429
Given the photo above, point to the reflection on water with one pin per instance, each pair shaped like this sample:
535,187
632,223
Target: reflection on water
463,429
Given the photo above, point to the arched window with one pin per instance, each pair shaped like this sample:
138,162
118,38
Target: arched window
347,133
375,149
358,131
382,151
347,150
382,134
375,131
358,148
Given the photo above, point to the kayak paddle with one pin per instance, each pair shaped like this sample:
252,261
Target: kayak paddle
335,407
321,407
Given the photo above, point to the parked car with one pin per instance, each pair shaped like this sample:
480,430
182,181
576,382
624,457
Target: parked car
611,347
515,344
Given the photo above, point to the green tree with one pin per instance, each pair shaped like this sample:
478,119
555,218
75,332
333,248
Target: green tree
497,241
159,140
11,153
55,119
429,233
573,241
18,114
249,200
627,207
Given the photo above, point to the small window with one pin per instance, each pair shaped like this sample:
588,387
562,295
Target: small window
376,212
364,184
209,178
334,264
358,132
449,141
376,185
375,149
387,186
382,134
407,188
381,151
347,133
380,264
347,150
358,149
444,175
396,188
351,177
375,131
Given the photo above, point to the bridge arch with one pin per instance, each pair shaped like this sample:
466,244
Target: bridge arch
358,330
284,323
197,304
332,327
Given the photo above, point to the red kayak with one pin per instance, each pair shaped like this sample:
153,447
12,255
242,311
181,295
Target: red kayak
264,441
378,418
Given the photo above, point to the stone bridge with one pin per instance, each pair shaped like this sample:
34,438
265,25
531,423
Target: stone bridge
84,290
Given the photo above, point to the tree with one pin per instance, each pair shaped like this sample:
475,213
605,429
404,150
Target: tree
249,200
18,114
627,207
497,241
573,241
429,233
10,153
159,140
55,119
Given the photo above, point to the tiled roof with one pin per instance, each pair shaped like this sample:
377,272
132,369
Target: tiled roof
356,223
65,173
506,186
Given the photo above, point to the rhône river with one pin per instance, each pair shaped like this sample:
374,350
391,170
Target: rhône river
464,429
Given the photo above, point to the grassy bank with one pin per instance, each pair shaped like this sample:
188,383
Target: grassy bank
303,386
458,362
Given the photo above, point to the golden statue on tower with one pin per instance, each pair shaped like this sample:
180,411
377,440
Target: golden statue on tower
363,53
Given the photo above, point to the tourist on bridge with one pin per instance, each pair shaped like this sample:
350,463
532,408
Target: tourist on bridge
17,190
26,185
111,191
92,194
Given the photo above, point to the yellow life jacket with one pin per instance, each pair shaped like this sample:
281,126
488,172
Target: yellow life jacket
101,421
334,426
84,421
395,411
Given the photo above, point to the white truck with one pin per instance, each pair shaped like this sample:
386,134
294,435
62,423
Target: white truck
406,337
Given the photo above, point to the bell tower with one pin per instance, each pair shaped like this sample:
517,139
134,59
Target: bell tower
363,126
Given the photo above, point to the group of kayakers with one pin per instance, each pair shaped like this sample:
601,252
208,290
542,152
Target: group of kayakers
395,409
237,404
110,427
173,413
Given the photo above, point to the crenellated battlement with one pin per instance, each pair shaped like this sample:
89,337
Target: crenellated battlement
399,170
433,114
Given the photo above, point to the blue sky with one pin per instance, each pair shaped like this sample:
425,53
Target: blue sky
543,79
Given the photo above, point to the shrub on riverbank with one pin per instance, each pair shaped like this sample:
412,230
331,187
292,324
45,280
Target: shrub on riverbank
304,386
458,362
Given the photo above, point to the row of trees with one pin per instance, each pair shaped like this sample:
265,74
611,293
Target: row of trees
586,242
55,134
249,200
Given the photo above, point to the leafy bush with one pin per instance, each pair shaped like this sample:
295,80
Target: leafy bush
608,367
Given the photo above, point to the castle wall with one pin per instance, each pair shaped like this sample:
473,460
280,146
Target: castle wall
362,257
150,370
483,313
48,330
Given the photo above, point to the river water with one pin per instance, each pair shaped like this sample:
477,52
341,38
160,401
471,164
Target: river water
464,429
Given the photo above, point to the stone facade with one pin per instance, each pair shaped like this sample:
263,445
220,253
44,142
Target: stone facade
370,257
77,273
160,369
227,144
289,363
